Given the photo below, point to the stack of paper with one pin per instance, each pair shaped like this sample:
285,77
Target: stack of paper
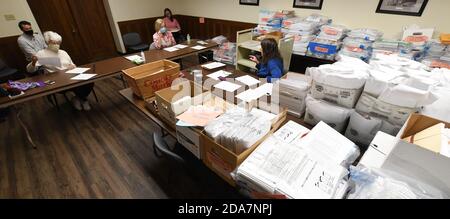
83,77
171,49
227,86
248,80
254,94
198,47
134,58
199,115
77,71
180,46
283,164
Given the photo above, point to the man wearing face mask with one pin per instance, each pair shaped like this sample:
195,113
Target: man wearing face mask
162,38
30,42
53,41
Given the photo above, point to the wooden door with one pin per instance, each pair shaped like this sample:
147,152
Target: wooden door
83,24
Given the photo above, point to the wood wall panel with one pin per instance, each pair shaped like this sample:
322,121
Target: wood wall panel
189,25
11,53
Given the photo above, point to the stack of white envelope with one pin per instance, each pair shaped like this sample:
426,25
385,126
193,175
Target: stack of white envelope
292,93
299,164
238,130
302,31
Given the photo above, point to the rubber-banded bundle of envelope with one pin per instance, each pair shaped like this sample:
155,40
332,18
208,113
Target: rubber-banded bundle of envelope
238,129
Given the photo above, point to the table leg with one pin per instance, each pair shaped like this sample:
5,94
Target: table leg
24,127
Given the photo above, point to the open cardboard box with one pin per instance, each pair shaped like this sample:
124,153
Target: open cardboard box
223,161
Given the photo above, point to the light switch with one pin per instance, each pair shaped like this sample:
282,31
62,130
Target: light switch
10,17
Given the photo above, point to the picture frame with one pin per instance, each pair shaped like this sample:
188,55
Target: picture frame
402,7
249,2
308,4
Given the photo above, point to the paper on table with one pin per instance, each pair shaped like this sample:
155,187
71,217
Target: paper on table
171,49
248,80
201,42
77,71
247,96
134,57
198,47
213,65
227,86
180,46
218,74
50,61
265,89
184,124
83,77
199,115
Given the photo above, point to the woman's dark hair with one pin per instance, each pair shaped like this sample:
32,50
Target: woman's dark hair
171,15
270,50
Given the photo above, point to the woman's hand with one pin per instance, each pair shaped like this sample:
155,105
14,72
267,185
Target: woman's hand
34,59
71,66
254,59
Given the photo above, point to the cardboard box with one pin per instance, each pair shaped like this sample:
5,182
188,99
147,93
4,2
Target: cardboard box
146,79
424,132
223,162
190,138
175,100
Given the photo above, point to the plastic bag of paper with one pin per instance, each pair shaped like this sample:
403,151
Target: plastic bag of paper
382,184
362,129
319,110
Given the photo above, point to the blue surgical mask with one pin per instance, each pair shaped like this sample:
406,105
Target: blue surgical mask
163,30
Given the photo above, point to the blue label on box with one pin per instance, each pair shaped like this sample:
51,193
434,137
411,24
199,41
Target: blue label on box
324,49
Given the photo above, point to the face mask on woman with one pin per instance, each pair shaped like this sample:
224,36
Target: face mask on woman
163,30
54,47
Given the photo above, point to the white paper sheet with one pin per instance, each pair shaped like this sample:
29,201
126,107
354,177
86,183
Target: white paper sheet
134,57
180,46
227,86
213,65
83,77
50,61
218,74
77,71
248,80
265,89
202,42
198,47
171,49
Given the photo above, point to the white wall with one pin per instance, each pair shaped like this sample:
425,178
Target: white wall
124,10
352,13
21,11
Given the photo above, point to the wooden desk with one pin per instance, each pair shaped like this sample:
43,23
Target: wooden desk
104,69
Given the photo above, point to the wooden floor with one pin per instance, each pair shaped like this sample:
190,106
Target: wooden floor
104,153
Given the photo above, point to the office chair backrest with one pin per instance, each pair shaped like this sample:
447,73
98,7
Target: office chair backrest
131,39
162,146
2,64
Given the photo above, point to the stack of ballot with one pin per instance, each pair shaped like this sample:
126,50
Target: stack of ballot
437,55
299,164
226,53
293,91
332,32
359,43
238,129
303,32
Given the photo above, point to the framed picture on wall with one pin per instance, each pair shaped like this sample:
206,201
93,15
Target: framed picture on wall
402,7
249,2
310,4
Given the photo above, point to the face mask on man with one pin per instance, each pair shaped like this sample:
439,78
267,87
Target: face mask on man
54,47
29,32
163,30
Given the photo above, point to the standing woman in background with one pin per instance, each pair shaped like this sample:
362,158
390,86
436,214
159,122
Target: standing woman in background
270,66
172,25
162,38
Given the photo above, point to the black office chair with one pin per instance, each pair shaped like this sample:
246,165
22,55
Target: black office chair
133,42
162,150
6,73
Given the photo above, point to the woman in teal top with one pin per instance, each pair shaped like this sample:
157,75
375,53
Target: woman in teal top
271,64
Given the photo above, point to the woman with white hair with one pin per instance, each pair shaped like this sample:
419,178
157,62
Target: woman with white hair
162,37
53,50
